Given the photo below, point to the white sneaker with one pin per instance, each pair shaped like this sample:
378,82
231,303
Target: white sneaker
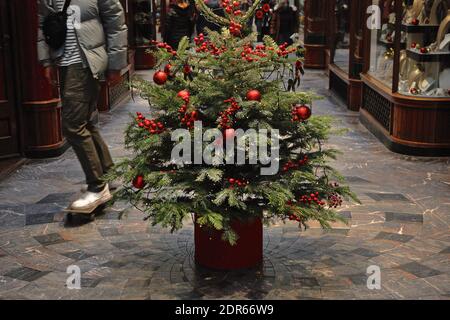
92,199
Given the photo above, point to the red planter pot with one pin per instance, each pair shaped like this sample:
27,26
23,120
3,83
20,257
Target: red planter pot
212,252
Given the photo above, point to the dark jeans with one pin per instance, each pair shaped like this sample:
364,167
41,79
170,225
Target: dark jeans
79,94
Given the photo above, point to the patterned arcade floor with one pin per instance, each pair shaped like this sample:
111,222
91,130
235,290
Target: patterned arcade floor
402,226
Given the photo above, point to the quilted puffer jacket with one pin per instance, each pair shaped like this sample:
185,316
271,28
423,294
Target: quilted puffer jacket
102,34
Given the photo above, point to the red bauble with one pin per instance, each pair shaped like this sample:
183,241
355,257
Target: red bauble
423,50
254,95
160,77
266,7
184,94
139,182
259,14
304,112
167,68
415,22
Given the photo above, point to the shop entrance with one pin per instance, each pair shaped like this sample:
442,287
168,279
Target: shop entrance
9,137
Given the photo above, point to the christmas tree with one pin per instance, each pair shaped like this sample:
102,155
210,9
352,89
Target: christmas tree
226,82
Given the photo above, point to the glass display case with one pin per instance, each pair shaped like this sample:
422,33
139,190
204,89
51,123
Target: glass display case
423,58
407,86
347,51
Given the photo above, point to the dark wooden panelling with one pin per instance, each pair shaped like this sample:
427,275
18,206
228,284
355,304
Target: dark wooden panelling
9,134
411,125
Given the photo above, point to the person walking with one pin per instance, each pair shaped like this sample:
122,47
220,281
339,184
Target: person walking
284,22
180,22
95,45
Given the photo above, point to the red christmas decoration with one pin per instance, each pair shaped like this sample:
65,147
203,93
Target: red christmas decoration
415,22
291,165
168,68
187,69
301,113
413,45
160,77
266,7
259,14
254,95
151,125
226,117
184,95
312,198
139,182
235,28
423,50
237,182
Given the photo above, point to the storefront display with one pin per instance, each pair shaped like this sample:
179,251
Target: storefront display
316,32
347,52
407,87
142,30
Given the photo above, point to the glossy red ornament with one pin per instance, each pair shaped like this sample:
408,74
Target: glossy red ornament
259,14
423,50
304,112
184,94
160,78
168,68
213,252
139,182
254,95
415,22
266,7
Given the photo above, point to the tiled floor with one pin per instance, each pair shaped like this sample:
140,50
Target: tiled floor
402,226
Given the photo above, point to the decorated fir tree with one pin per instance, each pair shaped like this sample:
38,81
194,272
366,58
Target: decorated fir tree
226,81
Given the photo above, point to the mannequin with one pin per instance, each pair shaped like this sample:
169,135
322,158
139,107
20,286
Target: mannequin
443,29
415,11
433,15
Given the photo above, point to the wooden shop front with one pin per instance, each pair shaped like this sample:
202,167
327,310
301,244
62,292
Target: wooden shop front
30,109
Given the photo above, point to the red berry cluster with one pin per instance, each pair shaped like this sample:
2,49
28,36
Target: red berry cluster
334,200
163,45
226,120
168,69
151,125
235,28
207,46
237,182
312,198
187,69
188,118
293,217
295,165
283,51
249,54
232,7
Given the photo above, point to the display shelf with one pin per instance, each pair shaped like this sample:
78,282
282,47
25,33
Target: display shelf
347,50
406,102
440,57
426,28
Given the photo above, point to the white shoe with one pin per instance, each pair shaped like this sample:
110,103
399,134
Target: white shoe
92,199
